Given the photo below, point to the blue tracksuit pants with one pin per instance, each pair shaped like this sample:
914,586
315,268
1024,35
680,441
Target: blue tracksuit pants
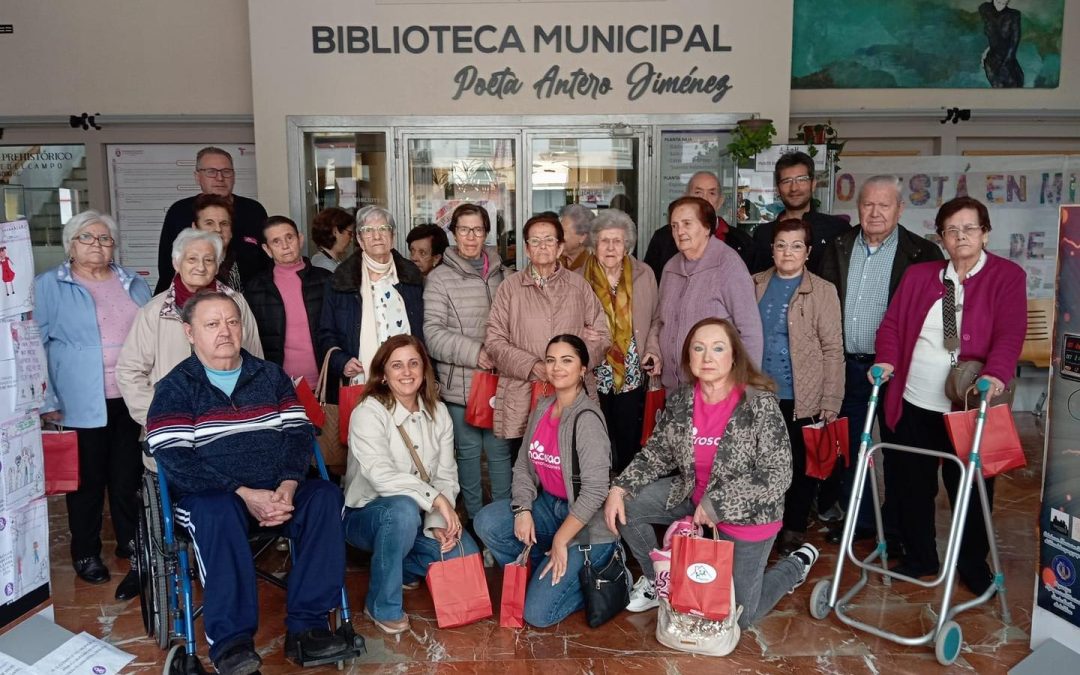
218,523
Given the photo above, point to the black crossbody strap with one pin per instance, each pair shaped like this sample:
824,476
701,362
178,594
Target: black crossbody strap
575,463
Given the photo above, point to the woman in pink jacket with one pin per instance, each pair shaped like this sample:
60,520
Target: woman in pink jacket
967,308
530,308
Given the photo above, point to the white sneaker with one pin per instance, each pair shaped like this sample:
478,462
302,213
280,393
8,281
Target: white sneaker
806,555
643,595
834,514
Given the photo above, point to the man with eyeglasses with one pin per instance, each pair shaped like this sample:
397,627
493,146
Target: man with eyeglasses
662,246
795,183
215,174
865,264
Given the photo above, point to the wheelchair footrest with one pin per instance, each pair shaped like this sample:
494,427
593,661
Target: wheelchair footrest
357,647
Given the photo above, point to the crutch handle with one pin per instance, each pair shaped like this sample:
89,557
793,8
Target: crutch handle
876,372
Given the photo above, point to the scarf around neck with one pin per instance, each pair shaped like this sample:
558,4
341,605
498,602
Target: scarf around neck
618,307
382,309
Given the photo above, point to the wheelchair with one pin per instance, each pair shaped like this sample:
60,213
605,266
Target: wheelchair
166,574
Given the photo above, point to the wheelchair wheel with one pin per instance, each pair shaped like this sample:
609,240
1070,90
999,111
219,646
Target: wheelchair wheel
150,559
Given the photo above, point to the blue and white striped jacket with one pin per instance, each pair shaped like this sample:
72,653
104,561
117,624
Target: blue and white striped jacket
206,440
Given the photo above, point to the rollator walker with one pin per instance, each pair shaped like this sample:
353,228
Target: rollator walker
946,634
166,579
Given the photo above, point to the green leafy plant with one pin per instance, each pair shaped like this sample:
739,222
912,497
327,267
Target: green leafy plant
750,137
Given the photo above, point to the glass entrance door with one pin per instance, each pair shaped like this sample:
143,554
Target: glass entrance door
598,171
443,172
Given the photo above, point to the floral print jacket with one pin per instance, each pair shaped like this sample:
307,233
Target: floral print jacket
750,474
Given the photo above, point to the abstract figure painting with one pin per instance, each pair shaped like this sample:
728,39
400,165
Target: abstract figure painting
931,44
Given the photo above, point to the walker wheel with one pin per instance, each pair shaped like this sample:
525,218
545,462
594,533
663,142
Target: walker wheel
174,661
819,599
948,643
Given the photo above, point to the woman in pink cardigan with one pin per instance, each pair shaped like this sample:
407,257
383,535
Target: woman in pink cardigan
923,333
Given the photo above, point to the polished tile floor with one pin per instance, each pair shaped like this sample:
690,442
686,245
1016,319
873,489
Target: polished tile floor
786,641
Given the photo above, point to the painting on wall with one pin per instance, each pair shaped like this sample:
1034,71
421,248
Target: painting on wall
927,44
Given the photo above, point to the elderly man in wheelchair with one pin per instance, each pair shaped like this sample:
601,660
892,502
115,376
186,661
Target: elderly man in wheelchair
234,447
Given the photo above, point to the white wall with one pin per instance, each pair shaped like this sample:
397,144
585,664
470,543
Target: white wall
289,79
124,57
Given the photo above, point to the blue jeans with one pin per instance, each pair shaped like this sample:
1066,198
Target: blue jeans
391,528
545,605
469,442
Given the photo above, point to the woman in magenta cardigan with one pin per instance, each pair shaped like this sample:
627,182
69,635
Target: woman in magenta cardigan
989,299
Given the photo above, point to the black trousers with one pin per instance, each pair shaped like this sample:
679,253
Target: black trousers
624,414
916,481
110,458
801,493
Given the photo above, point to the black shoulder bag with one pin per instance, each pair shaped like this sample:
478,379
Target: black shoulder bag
606,589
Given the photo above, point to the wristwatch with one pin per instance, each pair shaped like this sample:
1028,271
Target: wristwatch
520,509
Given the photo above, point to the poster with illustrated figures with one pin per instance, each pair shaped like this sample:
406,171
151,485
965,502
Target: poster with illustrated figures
23,370
24,550
22,470
16,270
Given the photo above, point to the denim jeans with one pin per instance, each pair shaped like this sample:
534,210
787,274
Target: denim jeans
391,528
756,589
469,441
545,605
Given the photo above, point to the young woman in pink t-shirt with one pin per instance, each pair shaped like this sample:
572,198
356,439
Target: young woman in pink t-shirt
550,509
725,436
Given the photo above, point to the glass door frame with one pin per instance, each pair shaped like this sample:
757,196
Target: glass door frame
523,128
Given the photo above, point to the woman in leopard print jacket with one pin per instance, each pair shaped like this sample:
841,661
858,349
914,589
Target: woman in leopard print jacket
724,436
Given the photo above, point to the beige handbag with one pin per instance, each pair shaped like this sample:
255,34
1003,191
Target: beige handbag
960,386
335,453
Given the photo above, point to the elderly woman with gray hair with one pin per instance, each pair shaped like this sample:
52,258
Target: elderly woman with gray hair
576,221
627,291
85,307
375,293
157,342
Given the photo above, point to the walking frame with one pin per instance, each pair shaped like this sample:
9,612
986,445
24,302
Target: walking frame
946,634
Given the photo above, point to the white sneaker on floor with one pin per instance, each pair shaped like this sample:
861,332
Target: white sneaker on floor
833,514
643,595
806,555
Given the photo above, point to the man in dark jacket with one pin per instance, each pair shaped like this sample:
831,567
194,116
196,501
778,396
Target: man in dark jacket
795,183
215,174
235,445
865,264
662,246
287,301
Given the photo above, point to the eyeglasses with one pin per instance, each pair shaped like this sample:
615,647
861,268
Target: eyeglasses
794,180
371,230
468,231
967,230
217,173
794,247
88,239
542,242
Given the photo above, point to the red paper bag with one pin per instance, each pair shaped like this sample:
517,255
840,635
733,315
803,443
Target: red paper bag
348,398
999,450
306,396
824,444
61,450
654,403
515,582
459,590
480,408
701,577
539,391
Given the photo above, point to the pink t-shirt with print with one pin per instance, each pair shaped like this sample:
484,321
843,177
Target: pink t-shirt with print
544,453
710,420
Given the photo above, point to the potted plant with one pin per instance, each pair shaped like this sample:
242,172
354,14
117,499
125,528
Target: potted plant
750,137
825,134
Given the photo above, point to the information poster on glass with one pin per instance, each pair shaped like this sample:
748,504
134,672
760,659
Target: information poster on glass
683,154
144,181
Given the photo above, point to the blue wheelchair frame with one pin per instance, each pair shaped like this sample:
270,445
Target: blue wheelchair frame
182,613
